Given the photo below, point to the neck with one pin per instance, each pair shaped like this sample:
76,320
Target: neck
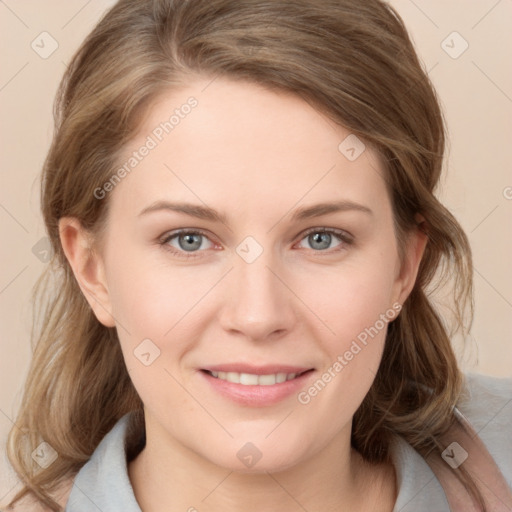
166,475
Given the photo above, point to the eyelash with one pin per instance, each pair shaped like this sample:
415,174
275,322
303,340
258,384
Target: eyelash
343,236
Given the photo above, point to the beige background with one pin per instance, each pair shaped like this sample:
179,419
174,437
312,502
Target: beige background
476,92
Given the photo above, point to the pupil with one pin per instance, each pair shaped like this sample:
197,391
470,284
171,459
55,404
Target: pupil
317,238
192,241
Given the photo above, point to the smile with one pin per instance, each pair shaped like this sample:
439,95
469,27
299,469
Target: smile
251,379
256,386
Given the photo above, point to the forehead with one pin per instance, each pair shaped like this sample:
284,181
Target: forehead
240,146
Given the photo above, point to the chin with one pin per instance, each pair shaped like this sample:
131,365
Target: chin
259,456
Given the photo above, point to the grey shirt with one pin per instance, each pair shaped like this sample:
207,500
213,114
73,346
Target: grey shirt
103,484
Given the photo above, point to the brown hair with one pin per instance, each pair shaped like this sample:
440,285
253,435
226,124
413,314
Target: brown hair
351,60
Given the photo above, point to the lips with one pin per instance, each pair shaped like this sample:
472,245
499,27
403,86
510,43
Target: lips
256,385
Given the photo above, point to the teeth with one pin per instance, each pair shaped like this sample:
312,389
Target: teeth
249,379
233,377
267,380
280,377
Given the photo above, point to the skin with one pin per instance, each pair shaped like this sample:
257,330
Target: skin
256,156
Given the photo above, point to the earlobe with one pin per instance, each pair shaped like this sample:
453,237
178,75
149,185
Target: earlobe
87,267
414,250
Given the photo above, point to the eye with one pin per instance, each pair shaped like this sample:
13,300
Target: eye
188,243
320,239
185,243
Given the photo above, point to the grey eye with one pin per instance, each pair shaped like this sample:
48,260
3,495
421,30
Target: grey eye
321,240
190,241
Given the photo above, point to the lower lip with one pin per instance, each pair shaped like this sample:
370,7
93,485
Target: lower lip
256,395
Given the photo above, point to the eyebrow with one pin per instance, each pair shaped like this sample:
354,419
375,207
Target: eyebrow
207,213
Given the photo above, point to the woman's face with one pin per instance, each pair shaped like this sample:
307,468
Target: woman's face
286,268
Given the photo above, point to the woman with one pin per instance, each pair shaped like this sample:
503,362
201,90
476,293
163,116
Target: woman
240,197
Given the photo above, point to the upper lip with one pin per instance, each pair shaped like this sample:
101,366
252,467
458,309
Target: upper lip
256,370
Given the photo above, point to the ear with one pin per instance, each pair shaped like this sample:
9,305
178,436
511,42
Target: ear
413,252
87,267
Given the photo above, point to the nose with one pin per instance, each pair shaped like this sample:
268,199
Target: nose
258,302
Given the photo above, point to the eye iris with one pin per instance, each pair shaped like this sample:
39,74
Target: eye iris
324,239
193,241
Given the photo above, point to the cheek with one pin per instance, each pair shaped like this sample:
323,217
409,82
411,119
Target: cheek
152,307
357,308
160,314
350,300
358,315
150,298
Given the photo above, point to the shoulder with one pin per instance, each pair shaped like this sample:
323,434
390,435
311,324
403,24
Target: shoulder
486,400
104,478
106,462
487,403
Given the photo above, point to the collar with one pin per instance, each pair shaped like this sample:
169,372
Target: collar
103,485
